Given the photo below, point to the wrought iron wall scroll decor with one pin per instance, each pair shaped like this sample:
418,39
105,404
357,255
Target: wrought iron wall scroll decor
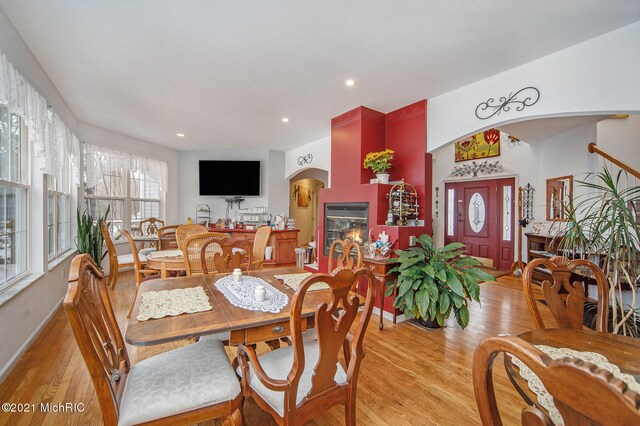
305,159
522,98
473,168
527,204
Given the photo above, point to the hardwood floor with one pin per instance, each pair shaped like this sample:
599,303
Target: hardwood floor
409,376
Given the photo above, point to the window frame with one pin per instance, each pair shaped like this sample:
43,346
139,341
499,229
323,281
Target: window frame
58,193
25,184
127,200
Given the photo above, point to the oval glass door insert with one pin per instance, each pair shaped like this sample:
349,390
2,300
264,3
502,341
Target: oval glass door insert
476,212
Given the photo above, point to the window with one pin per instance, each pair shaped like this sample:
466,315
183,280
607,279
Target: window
59,215
131,186
14,191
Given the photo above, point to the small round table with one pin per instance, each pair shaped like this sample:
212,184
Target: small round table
166,261
619,350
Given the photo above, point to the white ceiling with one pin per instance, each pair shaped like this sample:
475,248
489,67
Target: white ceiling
226,72
533,131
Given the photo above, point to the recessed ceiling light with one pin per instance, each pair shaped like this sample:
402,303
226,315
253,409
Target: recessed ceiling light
350,82
180,135
285,120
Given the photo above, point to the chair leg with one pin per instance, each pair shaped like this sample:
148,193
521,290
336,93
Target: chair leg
133,302
234,419
350,413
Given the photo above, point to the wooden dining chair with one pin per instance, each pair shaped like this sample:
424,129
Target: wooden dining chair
234,253
192,251
116,261
349,255
167,237
260,241
582,393
567,309
296,383
141,273
150,226
187,385
184,231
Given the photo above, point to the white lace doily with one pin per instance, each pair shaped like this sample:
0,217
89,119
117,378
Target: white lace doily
293,281
545,398
160,304
243,294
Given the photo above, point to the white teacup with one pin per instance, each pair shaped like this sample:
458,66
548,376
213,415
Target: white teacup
261,293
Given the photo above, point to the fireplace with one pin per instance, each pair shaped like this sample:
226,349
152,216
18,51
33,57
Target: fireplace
345,221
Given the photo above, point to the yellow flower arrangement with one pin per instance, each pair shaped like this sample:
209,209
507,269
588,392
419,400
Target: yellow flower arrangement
379,162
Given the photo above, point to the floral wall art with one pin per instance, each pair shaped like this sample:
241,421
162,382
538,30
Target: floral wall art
482,145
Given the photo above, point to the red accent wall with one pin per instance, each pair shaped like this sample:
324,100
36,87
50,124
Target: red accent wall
362,130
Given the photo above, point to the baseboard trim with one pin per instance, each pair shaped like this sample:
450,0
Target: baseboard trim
8,367
388,315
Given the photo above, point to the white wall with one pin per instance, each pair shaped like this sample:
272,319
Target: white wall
594,77
561,155
274,188
621,138
321,152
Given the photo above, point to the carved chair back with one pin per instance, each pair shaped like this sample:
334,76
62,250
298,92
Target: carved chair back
260,241
227,259
94,326
151,226
348,257
567,309
184,231
192,251
333,333
583,393
167,237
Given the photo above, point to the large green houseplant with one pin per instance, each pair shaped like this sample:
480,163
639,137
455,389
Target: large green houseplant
433,282
603,224
89,238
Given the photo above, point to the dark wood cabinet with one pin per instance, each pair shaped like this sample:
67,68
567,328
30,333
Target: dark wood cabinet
284,243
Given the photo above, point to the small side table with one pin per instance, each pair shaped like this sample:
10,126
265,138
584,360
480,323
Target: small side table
380,269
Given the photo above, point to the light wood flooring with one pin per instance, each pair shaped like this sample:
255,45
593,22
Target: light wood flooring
409,376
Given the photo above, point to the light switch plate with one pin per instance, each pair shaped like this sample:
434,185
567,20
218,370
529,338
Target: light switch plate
412,241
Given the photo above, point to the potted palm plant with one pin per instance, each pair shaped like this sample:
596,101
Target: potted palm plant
434,282
379,163
603,226
89,237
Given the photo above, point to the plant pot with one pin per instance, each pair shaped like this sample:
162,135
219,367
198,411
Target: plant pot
426,322
383,177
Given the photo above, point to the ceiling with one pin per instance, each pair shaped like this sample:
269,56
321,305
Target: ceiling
538,130
225,73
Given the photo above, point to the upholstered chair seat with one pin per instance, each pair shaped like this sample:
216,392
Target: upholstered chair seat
181,380
128,258
277,364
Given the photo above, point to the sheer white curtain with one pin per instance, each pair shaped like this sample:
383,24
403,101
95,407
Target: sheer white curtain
100,162
52,141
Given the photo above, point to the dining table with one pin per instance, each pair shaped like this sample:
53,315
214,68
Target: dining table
166,261
622,351
244,326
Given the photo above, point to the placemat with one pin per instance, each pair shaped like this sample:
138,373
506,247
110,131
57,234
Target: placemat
293,281
544,397
243,294
163,303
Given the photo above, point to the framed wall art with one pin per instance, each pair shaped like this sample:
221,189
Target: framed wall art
482,145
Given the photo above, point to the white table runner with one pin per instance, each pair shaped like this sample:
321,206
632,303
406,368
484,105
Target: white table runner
160,304
243,294
165,253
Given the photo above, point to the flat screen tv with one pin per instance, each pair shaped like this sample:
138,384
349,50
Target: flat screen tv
229,178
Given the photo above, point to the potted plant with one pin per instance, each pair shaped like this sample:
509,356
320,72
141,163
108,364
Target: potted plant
89,238
379,163
433,282
603,227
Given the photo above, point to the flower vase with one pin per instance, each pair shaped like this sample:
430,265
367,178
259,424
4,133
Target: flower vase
382,177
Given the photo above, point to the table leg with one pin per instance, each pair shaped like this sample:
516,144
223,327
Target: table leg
163,272
395,284
381,325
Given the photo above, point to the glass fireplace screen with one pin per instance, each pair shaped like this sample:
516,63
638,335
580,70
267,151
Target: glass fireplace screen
345,221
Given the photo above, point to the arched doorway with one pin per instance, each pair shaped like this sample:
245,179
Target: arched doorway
304,189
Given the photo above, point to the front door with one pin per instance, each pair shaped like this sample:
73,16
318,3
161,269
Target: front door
479,214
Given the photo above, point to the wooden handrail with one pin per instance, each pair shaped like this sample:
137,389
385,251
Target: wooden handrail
593,148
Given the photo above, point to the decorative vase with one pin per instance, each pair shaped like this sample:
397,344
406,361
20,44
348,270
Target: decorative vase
382,177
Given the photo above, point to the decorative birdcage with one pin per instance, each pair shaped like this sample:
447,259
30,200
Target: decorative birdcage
403,204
